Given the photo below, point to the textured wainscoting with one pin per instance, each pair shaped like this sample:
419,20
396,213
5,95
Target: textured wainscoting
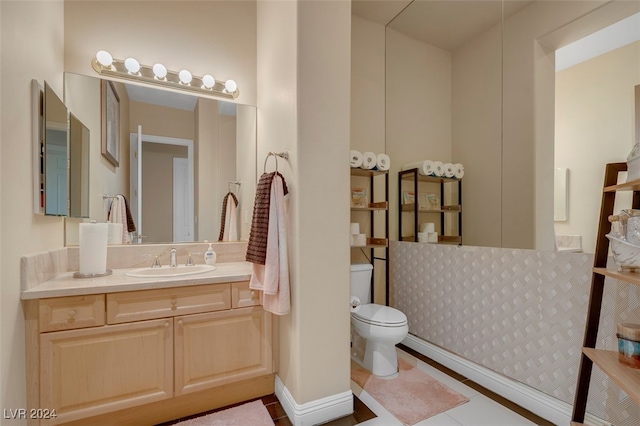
520,313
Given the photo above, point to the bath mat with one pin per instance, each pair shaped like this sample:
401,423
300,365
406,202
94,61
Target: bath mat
411,396
252,413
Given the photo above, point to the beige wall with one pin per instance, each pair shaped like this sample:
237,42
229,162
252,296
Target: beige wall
418,108
246,166
208,202
205,37
161,121
31,47
311,120
594,126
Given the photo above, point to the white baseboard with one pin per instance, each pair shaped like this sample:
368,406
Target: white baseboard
539,403
314,412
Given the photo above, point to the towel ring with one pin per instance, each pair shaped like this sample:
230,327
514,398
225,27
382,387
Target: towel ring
284,155
271,154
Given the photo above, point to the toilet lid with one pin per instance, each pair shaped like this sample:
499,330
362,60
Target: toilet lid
380,315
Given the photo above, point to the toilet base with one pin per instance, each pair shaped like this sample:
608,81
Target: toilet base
381,359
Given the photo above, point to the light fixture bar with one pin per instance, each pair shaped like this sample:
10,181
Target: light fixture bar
172,79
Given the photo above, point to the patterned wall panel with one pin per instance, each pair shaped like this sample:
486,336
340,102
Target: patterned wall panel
520,313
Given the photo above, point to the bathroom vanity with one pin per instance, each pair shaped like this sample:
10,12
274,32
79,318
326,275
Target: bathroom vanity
145,350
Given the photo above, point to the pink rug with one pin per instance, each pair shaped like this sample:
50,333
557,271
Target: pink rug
411,396
252,413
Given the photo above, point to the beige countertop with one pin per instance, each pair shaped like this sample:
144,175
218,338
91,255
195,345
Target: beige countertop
66,285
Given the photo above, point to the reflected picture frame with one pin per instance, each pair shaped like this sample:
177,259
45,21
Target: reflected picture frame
110,122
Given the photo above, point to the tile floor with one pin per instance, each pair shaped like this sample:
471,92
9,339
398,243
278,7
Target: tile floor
484,407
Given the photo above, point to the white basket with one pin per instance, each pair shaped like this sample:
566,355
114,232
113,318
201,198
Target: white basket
625,254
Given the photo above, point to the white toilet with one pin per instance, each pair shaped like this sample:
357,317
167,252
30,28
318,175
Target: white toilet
375,329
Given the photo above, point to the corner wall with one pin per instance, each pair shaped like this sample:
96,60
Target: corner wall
31,37
303,107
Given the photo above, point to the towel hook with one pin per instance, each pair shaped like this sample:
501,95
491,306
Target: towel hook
235,182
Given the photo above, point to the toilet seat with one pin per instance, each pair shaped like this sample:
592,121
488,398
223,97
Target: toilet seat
381,316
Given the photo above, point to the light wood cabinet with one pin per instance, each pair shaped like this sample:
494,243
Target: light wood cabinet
221,347
148,356
92,371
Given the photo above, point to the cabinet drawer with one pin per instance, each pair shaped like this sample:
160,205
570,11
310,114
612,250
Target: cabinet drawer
242,296
162,303
67,313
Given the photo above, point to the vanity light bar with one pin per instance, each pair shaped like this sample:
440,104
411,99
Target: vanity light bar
158,74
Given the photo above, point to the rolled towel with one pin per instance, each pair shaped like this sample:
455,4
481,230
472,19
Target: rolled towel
425,167
448,170
427,227
355,158
458,170
355,228
438,168
368,160
383,162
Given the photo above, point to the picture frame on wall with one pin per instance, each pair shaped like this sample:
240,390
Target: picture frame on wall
110,126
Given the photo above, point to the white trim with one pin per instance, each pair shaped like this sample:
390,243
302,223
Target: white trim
314,412
539,403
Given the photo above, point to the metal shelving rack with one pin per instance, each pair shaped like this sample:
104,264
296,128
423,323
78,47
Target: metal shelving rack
372,207
412,175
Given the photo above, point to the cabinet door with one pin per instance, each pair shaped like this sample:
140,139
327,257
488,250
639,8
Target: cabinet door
217,348
94,371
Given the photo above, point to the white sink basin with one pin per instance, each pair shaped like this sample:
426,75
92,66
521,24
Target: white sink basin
167,271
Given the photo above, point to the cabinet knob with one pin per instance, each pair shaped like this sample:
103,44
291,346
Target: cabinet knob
166,324
174,304
180,323
72,316
253,293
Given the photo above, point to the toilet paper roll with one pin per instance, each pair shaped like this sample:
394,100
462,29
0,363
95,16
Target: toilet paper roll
93,248
425,167
438,168
433,237
355,158
448,170
423,237
355,228
458,170
359,240
427,227
383,162
355,304
369,160
114,233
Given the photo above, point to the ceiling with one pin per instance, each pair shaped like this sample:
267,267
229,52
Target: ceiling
446,24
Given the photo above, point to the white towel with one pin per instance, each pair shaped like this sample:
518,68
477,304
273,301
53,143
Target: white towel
369,160
438,168
273,277
230,222
118,214
425,168
383,162
448,170
355,159
458,170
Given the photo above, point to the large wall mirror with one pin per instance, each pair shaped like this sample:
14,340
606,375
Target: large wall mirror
479,83
179,156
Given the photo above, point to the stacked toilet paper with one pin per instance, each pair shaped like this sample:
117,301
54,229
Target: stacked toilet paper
93,248
427,233
357,239
436,168
370,161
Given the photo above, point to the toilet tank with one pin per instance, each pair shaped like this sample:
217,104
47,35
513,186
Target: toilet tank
361,281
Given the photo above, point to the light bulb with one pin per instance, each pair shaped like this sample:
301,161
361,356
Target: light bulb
230,86
185,77
104,58
208,81
132,65
159,71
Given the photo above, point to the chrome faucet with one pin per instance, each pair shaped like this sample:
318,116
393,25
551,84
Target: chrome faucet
173,261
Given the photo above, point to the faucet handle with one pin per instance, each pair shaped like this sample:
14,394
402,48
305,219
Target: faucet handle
156,262
189,261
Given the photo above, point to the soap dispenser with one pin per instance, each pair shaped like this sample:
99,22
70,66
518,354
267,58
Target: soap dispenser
210,256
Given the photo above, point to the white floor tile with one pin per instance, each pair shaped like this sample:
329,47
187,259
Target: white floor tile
482,411
442,419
